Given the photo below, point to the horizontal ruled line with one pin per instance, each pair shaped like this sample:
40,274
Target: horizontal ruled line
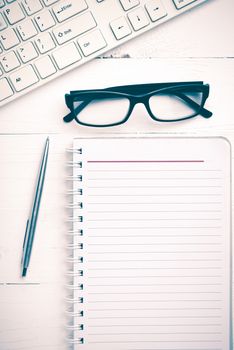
158,276
152,244
154,268
157,325
154,341
152,178
153,293
151,203
154,235
150,317
158,219
176,349
151,260
150,228
152,333
153,170
147,161
155,195
154,284
160,252
20,283
157,186
153,211
157,308
156,301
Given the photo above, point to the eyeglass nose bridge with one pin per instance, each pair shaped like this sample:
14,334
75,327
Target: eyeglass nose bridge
140,100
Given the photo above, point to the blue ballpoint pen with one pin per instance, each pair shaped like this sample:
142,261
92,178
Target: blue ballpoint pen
32,220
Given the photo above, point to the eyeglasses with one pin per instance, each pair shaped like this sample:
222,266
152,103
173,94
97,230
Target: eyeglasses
164,102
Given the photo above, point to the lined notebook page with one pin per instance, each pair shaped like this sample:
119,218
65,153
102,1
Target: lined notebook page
154,244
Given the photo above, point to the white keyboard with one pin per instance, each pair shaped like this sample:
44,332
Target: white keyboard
42,39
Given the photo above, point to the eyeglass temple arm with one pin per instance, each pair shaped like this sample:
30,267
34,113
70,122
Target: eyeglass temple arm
145,88
203,111
70,116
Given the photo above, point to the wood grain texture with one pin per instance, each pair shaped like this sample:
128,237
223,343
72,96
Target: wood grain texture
198,45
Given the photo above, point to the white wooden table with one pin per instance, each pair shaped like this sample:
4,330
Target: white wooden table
196,46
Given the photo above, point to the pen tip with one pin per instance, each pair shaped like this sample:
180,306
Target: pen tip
24,271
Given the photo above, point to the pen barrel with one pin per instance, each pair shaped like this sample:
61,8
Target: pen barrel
32,221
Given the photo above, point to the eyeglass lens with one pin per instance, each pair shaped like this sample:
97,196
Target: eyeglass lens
104,111
172,106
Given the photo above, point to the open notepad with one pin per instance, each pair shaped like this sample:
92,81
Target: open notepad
151,244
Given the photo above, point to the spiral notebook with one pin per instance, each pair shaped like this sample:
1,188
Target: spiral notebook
150,244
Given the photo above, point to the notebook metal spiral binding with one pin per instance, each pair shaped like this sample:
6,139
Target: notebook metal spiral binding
75,233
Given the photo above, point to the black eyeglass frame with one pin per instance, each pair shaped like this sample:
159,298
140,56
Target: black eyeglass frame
139,93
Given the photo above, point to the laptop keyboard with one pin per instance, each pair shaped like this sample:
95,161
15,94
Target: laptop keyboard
43,39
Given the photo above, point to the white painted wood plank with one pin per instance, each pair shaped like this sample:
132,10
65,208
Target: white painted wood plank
32,309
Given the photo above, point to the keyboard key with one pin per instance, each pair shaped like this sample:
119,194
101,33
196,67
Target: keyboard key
14,13
129,4
9,38
27,52
91,42
45,20
120,28
182,3
27,29
74,27
9,61
66,55
69,8
2,3
45,43
49,2
24,78
5,89
45,67
3,24
155,10
138,18
32,6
